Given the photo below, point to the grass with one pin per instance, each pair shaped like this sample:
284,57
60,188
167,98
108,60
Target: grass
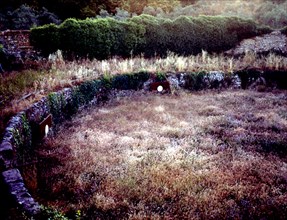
206,155
18,90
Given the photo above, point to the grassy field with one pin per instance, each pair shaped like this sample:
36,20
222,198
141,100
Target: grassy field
18,90
204,155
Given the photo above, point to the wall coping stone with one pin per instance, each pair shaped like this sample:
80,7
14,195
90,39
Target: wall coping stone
20,195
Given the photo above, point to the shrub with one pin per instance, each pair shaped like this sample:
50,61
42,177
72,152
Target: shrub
46,38
95,38
23,142
46,17
24,17
51,213
89,90
2,54
189,35
127,38
105,37
194,81
57,104
272,14
85,93
129,81
156,37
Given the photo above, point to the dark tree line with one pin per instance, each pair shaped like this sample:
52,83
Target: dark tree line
88,8
23,14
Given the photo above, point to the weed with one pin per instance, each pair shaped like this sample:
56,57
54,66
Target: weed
23,142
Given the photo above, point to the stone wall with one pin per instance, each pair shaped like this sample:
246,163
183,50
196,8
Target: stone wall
18,51
16,150
15,41
22,131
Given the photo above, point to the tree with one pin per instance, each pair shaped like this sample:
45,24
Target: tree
188,2
134,6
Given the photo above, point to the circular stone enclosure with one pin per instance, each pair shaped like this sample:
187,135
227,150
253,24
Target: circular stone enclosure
168,156
18,152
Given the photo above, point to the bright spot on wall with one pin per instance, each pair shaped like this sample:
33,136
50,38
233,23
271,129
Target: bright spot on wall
159,88
46,130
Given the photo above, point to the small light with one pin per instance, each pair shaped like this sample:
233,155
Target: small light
159,88
46,130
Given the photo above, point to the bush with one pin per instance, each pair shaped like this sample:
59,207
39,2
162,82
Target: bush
93,38
2,54
156,35
105,37
25,17
46,38
194,81
272,14
190,35
129,81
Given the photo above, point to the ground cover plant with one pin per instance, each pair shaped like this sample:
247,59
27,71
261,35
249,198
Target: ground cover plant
200,155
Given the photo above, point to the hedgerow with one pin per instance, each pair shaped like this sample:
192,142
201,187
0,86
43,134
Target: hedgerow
47,38
105,37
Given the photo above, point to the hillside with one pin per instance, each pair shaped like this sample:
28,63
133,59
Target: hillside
275,42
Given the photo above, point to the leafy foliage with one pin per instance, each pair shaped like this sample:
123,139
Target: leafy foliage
137,7
265,12
189,35
23,142
129,81
95,38
106,37
51,213
47,38
26,17
57,104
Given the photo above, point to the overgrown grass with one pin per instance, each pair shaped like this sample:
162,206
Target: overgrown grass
192,156
19,90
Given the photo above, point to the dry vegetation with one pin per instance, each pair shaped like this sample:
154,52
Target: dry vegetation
205,155
18,90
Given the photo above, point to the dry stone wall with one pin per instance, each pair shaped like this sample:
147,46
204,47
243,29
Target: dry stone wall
18,50
22,131
16,149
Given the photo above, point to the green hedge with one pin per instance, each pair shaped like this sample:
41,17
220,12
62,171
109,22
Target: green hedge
106,37
190,35
46,38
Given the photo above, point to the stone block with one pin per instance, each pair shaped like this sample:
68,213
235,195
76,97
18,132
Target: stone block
20,195
12,176
6,150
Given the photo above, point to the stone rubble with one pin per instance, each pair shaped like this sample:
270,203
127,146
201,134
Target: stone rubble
275,42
